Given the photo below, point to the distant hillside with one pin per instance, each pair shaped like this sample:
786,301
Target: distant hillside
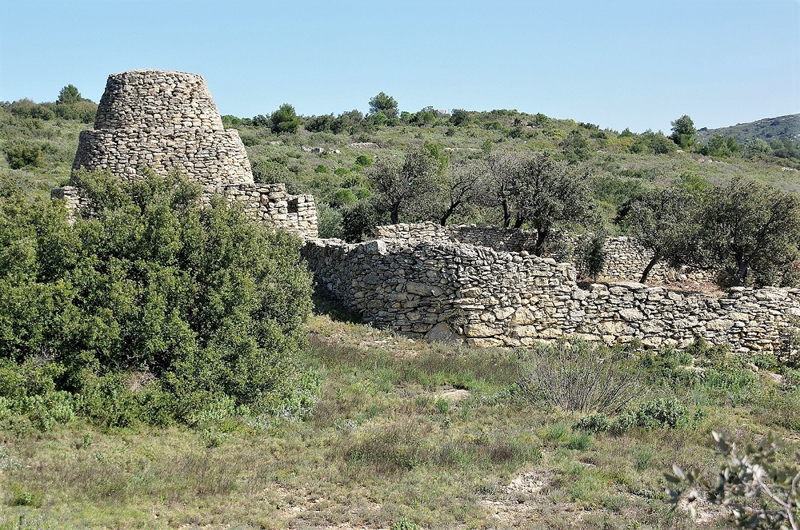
781,128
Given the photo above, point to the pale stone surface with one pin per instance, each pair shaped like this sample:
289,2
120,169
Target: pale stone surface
499,298
625,259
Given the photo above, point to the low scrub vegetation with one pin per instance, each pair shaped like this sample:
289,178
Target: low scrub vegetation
405,433
151,310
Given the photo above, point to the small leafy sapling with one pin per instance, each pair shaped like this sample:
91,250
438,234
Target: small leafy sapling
758,491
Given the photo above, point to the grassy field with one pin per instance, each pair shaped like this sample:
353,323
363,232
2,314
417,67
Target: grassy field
403,433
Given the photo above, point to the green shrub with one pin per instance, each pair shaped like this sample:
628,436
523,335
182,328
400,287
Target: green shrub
107,400
590,254
707,354
19,381
662,412
364,160
23,154
594,423
270,172
729,377
203,301
623,423
791,380
343,197
667,368
249,140
26,108
329,221
47,410
83,111
358,221
404,524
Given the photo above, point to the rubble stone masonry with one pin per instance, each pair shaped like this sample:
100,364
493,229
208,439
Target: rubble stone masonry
447,290
168,121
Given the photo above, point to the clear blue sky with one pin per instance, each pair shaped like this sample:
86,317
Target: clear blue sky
631,63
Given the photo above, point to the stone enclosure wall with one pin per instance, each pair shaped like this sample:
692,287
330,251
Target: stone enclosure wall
625,259
444,290
168,121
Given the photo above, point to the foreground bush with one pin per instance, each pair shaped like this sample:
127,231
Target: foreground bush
154,306
580,376
758,491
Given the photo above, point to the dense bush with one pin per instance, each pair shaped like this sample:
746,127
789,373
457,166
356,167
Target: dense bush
154,306
23,154
590,254
26,108
358,221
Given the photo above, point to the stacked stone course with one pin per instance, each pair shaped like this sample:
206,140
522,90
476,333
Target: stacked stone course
625,258
444,290
271,203
164,121
168,121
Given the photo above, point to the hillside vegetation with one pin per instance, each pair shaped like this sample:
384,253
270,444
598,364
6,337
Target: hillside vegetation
769,129
161,365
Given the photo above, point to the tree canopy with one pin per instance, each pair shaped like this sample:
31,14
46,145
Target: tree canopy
539,191
750,226
406,187
68,95
284,120
683,131
383,103
663,222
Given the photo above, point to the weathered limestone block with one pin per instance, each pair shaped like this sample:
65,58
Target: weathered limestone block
442,332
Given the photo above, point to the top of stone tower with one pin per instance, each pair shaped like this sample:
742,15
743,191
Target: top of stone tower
157,99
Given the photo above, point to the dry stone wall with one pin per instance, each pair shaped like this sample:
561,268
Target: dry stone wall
625,259
168,121
271,203
442,290
510,240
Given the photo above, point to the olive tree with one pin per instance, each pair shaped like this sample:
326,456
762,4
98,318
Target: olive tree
662,221
407,186
748,226
503,168
542,193
459,184
756,490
